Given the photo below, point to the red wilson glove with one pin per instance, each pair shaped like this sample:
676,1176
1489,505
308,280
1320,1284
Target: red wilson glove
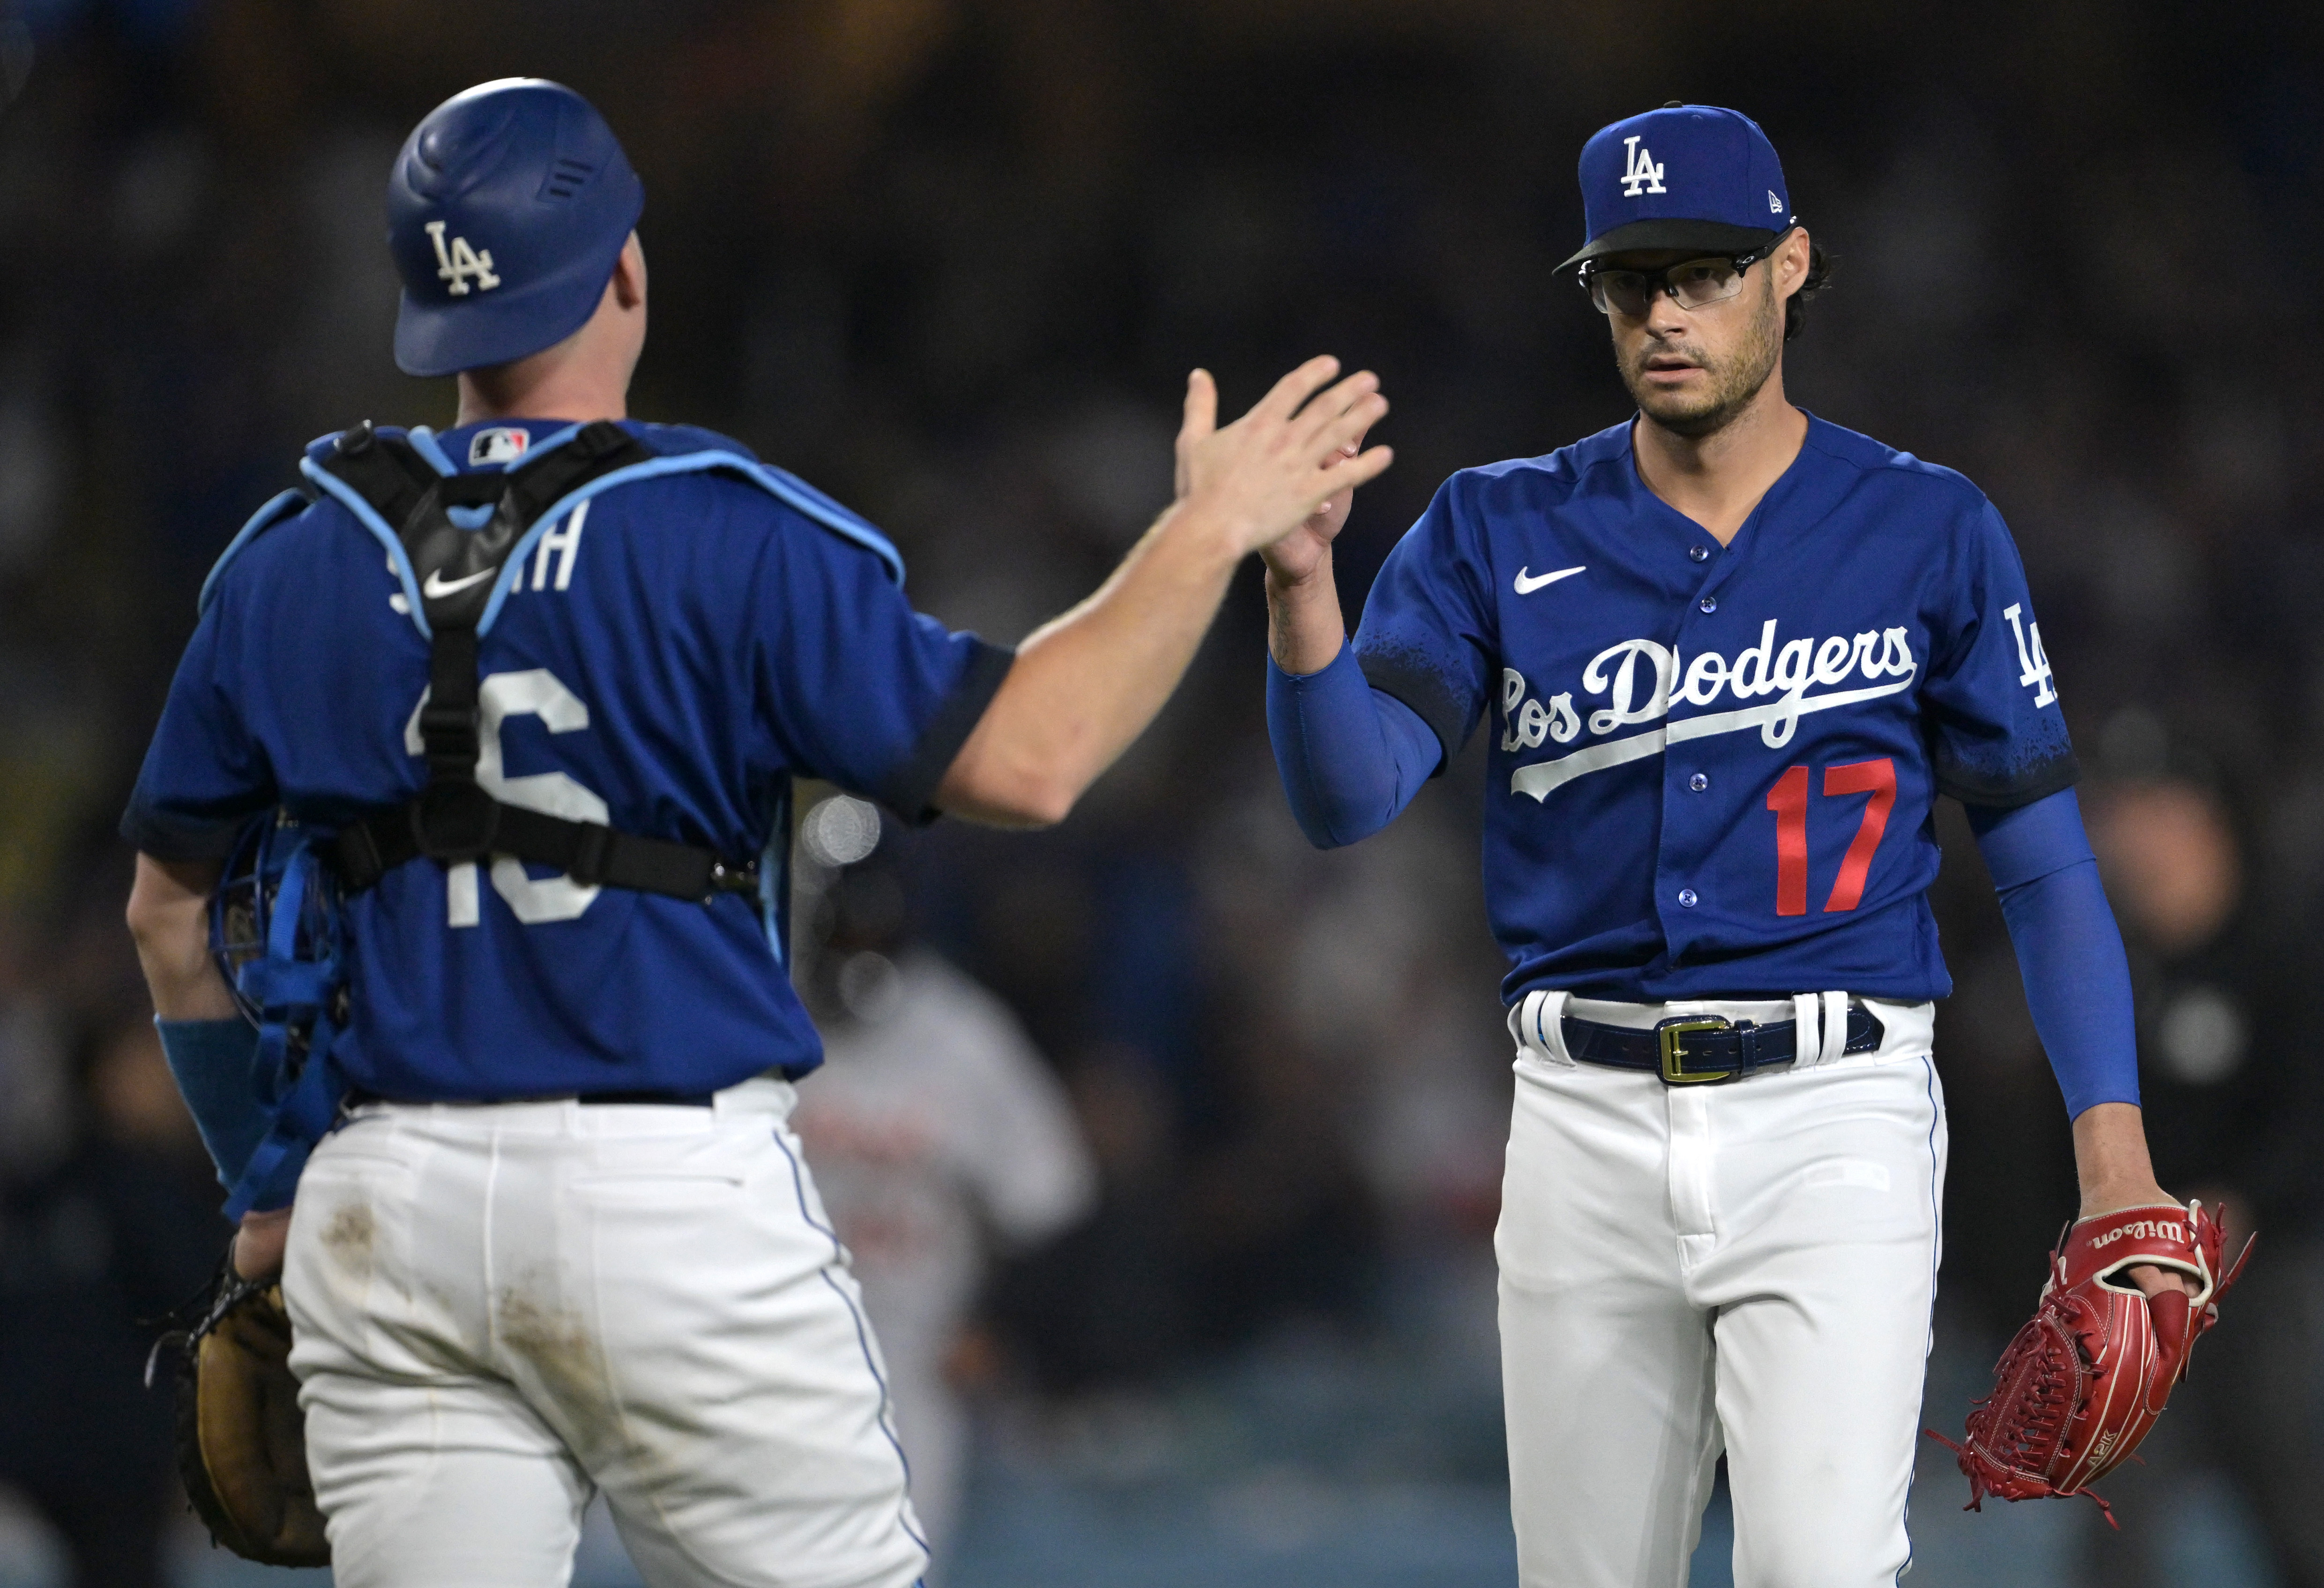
2081,1384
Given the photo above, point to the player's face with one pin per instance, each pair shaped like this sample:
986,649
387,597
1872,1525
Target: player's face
1692,370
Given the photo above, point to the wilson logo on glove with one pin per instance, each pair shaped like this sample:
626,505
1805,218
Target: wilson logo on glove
2082,1383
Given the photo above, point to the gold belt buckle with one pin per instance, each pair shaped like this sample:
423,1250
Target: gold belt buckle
1668,1038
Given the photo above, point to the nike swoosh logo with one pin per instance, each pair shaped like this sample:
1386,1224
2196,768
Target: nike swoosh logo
1526,587
438,586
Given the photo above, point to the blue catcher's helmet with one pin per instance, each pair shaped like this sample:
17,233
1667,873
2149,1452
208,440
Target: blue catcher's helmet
505,213
279,940
273,851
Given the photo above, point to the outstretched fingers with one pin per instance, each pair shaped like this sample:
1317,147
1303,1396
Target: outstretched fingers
1340,432
1202,407
1200,419
1328,408
1349,473
1292,390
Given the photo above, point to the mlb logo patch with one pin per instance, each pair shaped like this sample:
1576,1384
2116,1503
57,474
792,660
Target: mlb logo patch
500,444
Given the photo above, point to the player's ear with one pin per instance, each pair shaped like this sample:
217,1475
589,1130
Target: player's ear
629,274
1791,263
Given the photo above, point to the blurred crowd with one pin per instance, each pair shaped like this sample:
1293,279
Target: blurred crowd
951,260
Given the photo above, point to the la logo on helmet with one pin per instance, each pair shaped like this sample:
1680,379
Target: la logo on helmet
460,263
1641,175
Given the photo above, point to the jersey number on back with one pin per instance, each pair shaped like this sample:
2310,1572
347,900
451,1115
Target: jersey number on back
1789,800
535,692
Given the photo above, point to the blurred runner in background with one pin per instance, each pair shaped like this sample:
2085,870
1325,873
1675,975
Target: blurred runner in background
936,1133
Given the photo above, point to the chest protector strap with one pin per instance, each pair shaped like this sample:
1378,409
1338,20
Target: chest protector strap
454,819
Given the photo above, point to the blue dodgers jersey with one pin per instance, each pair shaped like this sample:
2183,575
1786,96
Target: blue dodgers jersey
667,656
1712,768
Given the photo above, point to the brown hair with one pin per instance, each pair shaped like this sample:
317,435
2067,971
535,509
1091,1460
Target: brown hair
1796,307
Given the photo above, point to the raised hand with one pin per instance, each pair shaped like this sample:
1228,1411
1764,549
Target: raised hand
1269,475
1295,558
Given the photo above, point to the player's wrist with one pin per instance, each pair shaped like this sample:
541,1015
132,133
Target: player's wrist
1212,520
1286,583
2113,1196
260,1241
1305,626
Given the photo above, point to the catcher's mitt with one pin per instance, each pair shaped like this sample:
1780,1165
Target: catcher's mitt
242,1440
2081,1385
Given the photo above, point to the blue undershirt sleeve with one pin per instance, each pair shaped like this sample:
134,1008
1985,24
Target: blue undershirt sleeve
212,1060
1352,756
2069,951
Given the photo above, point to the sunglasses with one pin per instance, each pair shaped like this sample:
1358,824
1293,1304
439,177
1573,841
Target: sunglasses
1695,284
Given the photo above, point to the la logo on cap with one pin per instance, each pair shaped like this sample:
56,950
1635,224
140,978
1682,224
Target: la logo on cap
1640,170
462,263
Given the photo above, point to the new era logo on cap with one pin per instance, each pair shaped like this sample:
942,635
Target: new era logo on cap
1685,176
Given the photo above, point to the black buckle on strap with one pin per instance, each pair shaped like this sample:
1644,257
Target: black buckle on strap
455,820
732,879
452,738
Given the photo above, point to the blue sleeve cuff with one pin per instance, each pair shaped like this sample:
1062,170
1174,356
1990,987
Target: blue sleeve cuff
910,792
213,1061
1352,756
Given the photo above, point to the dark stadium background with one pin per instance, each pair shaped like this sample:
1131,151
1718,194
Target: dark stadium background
951,260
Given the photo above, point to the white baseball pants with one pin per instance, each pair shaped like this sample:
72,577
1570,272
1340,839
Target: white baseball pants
499,1308
1747,1267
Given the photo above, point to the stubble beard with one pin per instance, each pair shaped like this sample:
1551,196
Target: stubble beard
1734,381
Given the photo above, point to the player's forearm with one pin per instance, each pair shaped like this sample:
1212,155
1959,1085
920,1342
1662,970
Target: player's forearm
208,1044
168,916
1304,629
1086,684
2069,951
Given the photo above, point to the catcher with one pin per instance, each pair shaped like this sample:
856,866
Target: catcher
543,681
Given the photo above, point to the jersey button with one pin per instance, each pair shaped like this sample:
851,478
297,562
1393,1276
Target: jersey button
1707,603
1686,899
1698,782
1700,553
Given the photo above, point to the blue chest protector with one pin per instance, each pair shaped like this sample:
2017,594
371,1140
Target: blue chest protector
456,541
453,819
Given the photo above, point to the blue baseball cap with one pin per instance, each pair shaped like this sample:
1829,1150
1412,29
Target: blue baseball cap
1686,176
507,209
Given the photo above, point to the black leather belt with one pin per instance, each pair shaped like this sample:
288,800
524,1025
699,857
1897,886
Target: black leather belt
1693,1050
356,1097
